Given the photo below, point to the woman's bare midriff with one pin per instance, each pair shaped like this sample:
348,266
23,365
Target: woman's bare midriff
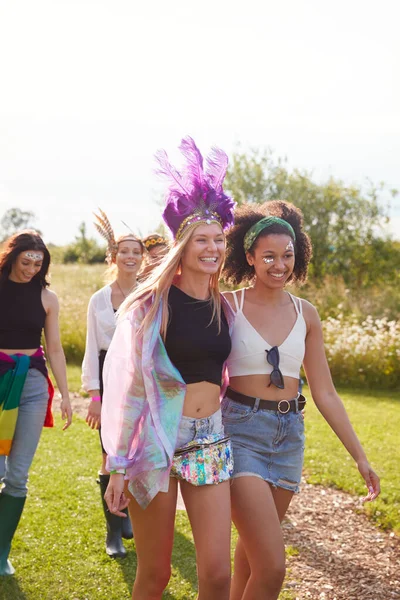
201,400
29,352
257,387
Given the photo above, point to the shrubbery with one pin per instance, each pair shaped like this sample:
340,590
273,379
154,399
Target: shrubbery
362,352
365,354
333,297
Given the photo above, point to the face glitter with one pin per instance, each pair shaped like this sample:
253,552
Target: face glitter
34,255
268,260
290,246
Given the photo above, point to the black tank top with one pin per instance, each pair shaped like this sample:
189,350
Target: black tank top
22,314
192,343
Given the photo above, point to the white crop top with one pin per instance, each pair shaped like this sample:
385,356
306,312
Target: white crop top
248,356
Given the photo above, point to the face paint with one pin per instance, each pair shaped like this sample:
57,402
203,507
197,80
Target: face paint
268,260
33,255
290,246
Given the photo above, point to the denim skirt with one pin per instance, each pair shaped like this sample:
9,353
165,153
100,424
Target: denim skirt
266,444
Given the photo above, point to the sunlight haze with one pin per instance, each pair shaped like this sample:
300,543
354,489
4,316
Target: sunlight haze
91,89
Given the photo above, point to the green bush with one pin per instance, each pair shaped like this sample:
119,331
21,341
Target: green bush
333,297
91,254
84,250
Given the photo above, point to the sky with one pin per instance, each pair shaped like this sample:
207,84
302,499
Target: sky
90,89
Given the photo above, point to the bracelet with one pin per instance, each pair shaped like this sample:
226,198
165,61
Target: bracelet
96,398
117,471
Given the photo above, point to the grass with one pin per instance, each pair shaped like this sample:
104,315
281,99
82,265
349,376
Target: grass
58,549
376,419
74,378
74,285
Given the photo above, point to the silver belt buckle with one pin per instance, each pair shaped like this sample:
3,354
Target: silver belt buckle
283,412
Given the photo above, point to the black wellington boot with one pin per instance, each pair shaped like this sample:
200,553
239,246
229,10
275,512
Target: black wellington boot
126,526
114,545
11,508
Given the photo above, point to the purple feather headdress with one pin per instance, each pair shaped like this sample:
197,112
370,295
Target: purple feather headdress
195,196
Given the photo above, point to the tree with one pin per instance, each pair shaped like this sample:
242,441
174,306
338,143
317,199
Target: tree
84,249
14,220
345,223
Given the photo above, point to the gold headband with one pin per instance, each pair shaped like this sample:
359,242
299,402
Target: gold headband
196,219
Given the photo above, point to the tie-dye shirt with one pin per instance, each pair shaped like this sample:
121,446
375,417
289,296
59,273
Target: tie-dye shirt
142,404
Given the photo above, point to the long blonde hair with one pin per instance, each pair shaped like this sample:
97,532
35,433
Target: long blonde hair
156,288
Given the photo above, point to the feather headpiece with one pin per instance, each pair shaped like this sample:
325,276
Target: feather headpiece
104,228
195,196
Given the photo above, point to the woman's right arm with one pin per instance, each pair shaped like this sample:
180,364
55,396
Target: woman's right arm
115,497
90,367
123,404
90,364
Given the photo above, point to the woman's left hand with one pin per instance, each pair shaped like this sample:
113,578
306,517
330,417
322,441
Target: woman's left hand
66,412
371,479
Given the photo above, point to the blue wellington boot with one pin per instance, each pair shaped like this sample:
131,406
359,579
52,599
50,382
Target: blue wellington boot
11,508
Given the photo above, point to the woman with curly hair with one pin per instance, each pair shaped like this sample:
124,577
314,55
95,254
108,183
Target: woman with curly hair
27,308
274,333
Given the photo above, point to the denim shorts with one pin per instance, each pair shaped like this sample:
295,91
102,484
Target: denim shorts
190,429
266,444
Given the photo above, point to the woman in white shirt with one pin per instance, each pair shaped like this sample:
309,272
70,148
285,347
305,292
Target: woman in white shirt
124,256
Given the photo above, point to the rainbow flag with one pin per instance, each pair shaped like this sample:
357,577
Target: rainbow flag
11,386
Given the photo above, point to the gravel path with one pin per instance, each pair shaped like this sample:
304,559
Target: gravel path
341,554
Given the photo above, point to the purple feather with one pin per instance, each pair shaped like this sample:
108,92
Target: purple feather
226,210
170,172
194,166
217,164
191,191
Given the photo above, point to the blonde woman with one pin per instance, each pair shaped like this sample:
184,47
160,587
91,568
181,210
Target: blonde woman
124,257
163,379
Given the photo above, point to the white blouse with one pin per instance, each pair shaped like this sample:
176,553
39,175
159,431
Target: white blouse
101,323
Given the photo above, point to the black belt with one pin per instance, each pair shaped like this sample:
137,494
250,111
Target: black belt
281,406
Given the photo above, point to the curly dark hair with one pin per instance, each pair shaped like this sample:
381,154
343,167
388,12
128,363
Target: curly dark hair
21,242
237,270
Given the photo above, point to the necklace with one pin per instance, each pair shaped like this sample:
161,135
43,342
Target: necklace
122,291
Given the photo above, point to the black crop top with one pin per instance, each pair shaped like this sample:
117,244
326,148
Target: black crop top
22,314
193,345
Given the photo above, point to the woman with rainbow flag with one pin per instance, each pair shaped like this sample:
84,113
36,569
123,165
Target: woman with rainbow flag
27,308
